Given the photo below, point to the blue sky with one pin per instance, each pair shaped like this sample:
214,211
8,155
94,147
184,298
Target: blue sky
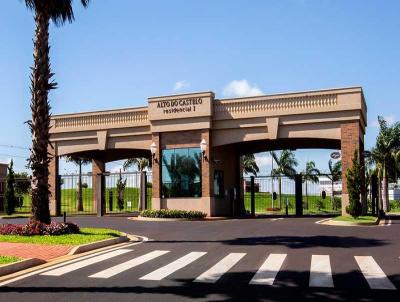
119,52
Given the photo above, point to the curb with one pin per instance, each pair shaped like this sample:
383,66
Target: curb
20,265
140,218
85,249
103,243
343,223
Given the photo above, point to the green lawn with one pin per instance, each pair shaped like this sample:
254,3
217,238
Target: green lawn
311,204
361,219
86,235
8,259
69,201
16,215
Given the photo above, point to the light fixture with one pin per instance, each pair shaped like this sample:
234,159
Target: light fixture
153,150
203,148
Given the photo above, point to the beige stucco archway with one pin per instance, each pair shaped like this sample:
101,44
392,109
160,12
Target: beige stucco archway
333,118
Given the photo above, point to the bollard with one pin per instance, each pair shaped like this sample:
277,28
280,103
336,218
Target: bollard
65,217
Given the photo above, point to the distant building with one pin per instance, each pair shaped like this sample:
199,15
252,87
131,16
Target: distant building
325,184
394,191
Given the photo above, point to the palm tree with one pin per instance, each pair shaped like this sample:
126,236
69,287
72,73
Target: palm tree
387,144
141,163
58,11
249,164
311,174
286,163
79,161
335,174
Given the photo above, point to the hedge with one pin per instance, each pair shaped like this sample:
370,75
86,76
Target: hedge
173,214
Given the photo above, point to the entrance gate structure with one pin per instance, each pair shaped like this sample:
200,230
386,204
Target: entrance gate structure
170,130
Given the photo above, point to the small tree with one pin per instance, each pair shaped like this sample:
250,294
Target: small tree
120,192
10,198
353,177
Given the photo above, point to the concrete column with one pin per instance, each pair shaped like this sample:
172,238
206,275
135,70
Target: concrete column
207,192
54,197
98,167
351,139
156,174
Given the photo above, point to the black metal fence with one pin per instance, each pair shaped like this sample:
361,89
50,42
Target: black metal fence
22,188
76,199
277,195
121,193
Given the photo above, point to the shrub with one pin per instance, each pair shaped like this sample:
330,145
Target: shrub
337,203
353,177
120,192
319,204
38,228
394,205
173,214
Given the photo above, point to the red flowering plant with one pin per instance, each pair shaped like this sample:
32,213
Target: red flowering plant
38,228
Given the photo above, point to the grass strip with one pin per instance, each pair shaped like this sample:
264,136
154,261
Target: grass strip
8,259
86,235
361,219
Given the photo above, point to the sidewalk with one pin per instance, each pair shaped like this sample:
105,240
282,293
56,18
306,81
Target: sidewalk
29,250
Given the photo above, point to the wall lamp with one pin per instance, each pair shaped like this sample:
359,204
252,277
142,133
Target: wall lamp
153,150
203,148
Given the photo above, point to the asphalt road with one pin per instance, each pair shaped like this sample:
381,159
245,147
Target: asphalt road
289,259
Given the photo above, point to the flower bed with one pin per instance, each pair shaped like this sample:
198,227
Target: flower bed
273,209
37,228
173,214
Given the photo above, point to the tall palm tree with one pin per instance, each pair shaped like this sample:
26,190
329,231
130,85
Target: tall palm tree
58,11
141,163
310,174
335,174
387,144
249,164
79,161
285,166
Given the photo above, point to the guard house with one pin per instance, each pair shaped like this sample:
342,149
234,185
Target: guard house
195,140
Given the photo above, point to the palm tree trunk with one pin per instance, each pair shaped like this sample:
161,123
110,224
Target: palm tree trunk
40,123
385,194
332,197
380,200
80,201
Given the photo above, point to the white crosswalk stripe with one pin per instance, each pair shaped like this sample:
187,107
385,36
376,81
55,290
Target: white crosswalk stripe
215,273
112,271
320,271
174,266
373,273
80,264
320,268
269,269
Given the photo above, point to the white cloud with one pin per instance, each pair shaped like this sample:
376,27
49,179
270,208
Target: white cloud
390,119
180,85
116,168
263,161
241,88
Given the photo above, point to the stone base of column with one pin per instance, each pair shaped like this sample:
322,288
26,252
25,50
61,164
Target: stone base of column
155,203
